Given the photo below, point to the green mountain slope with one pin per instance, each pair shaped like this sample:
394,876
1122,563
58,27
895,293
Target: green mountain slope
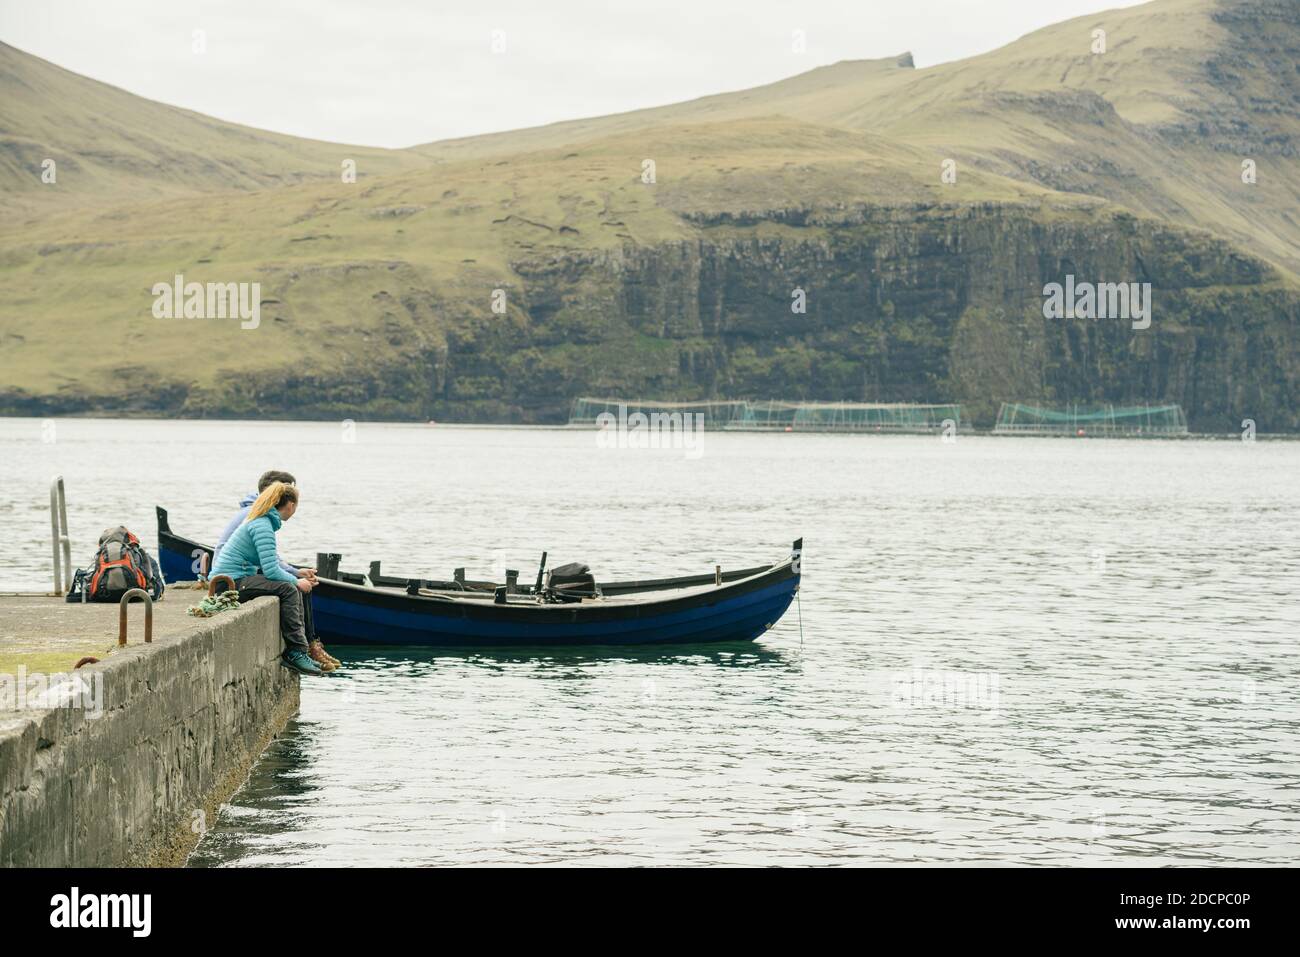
377,297
1160,122
110,146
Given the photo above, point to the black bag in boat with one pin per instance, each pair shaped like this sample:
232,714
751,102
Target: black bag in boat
571,582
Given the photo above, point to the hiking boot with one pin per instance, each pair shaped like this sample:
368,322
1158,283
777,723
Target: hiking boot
316,651
299,662
317,645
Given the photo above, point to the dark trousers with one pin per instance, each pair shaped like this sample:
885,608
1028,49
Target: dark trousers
308,625
292,629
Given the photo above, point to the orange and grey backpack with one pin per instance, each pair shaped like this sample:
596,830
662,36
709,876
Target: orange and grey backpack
120,565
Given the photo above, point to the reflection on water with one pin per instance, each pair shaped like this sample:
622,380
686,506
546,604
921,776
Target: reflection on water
1015,650
476,756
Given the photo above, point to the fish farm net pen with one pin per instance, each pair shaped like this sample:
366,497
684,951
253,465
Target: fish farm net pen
1017,418
748,415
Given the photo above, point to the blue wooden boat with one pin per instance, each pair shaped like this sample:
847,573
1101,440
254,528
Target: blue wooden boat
377,609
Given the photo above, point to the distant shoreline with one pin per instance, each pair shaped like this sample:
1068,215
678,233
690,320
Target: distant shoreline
967,432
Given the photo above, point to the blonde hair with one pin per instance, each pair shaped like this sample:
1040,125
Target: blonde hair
273,496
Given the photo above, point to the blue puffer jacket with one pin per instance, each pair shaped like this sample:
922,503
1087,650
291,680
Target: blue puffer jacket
232,526
251,551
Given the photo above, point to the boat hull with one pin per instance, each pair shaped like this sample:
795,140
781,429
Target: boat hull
735,611
350,614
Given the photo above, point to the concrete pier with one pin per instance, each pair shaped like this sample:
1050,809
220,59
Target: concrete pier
125,762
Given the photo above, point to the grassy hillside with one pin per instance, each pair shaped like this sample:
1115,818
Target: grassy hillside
334,259
110,146
377,296
1160,122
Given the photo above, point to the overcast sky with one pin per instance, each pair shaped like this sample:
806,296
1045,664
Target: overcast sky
401,72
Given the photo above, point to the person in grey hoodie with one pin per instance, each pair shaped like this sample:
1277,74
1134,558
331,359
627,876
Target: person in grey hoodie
316,649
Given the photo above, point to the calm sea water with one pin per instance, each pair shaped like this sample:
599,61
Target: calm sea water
1021,651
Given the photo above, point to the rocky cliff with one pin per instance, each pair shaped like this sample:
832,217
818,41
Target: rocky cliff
905,305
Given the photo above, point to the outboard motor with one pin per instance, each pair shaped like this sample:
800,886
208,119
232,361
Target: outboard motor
571,582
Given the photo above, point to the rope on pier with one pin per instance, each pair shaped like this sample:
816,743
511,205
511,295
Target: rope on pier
214,604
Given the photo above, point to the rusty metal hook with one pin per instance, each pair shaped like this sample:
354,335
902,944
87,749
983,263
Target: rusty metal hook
212,584
148,615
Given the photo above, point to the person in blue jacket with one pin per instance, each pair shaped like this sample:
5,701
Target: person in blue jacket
315,648
249,557
273,475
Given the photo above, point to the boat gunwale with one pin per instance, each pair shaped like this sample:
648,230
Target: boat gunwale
559,612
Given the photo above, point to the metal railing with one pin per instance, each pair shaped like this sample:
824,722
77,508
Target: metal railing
62,544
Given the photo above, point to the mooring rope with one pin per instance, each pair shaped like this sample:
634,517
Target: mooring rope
214,603
798,600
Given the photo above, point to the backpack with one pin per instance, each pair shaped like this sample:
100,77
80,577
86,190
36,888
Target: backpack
120,565
571,582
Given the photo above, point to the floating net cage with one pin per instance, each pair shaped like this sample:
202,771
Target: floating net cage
761,416
781,416
1016,418
846,417
717,415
